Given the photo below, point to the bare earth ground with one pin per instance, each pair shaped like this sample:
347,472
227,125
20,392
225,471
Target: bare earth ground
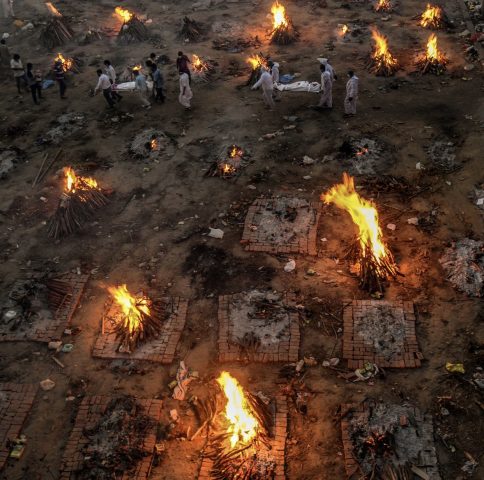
152,233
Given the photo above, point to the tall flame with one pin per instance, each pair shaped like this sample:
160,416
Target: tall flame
381,53
66,62
383,6
257,61
432,17
364,215
75,183
243,425
433,53
124,14
132,307
198,64
279,15
52,10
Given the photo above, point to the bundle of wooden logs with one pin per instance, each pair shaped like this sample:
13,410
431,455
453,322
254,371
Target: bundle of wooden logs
432,65
133,31
284,34
191,31
57,32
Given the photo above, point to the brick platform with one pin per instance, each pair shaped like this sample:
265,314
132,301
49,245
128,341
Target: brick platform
61,318
282,225
278,443
16,400
409,425
90,412
159,350
390,343
286,349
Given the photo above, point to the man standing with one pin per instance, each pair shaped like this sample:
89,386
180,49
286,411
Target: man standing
265,81
157,83
60,78
182,62
35,83
142,88
7,7
17,68
104,84
351,94
185,91
326,100
329,68
4,53
111,73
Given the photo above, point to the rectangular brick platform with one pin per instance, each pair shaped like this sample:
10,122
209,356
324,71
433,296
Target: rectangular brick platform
16,400
282,225
278,443
381,332
286,349
159,350
416,429
90,412
61,318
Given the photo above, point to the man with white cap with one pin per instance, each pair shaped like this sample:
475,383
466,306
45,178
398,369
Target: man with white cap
351,94
265,81
328,67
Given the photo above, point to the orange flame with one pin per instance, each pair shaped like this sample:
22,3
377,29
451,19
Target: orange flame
235,151
198,64
365,215
52,9
257,61
362,151
343,30
433,54
75,183
432,17
124,14
66,62
137,68
132,307
279,16
243,425
383,6
154,144
381,54
227,169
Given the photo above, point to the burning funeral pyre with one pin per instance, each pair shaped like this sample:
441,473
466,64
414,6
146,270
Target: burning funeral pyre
239,445
283,31
433,61
137,319
133,29
191,31
202,69
57,31
229,163
382,62
69,64
80,198
432,17
374,260
256,63
383,6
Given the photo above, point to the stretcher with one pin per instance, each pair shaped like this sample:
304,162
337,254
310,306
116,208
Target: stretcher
303,86
129,86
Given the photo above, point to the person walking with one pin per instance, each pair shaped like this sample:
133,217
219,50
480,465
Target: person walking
60,78
17,68
158,83
111,73
104,84
142,88
182,62
267,85
326,100
186,93
35,83
351,94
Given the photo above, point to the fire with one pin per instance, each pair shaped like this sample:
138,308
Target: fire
132,308
432,17
381,54
66,62
123,14
137,68
383,6
362,151
433,53
243,425
235,151
343,30
365,216
227,169
153,144
52,9
197,63
257,61
279,13
75,183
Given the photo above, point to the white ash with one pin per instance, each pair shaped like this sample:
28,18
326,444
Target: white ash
383,327
141,144
8,160
366,156
272,329
442,155
67,124
464,266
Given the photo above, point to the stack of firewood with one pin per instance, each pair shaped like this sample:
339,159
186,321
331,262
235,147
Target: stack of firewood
284,34
133,31
56,33
191,30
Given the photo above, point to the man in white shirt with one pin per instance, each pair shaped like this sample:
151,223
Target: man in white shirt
142,88
18,70
351,94
267,85
326,100
111,73
329,68
186,93
104,84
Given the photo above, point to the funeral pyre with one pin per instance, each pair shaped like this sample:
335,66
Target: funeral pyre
57,31
133,29
383,6
433,61
191,30
382,62
374,261
432,17
81,196
229,163
256,62
136,320
68,64
239,442
202,70
116,442
283,31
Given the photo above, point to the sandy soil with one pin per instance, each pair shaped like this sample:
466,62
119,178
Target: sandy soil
153,231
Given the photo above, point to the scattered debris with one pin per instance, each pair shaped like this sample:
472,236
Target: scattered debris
47,384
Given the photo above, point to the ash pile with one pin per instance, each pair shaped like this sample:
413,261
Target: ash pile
67,124
463,263
232,38
363,156
9,159
392,442
115,444
442,157
151,144
229,162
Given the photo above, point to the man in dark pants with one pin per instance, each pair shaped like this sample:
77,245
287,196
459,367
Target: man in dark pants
157,83
60,78
182,62
35,83
17,68
104,84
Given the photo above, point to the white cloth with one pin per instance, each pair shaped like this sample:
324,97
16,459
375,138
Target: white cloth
326,90
111,73
265,81
129,86
103,83
7,8
17,68
186,93
303,86
275,73
351,92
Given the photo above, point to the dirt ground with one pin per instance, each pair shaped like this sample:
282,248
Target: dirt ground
153,232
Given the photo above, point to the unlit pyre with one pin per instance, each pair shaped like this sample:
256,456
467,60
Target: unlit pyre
382,62
283,31
133,29
80,198
433,61
191,30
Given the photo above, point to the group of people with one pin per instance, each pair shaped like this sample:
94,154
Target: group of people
270,77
